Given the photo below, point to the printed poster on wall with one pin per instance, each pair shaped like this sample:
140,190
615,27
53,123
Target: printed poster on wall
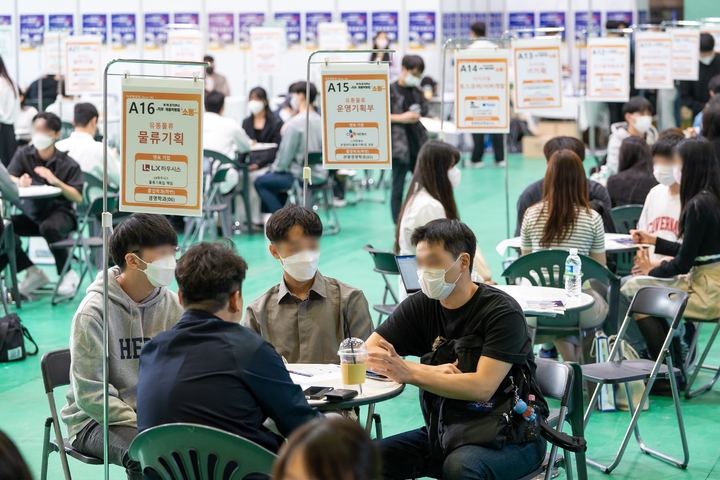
495,25
162,146
184,46
155,33
186,18
266,49
538,73
95,24
246,21
582,31
448,25
83,70
356,116
653,60
357,28
61,22
385,22
32,29
292,28
686,53
7,49
482,90
421,30
464,21
714,30
312,20
221,30
123,30
608,62
521,20
553,20
332,36
622,17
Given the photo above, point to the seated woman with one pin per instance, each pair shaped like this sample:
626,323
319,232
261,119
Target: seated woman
635,179
695,267
563,220
262,127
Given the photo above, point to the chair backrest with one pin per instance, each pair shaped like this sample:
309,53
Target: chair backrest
197,452
219,157
626,217
55,368
667,303
555,379
66,129
384,260
547,268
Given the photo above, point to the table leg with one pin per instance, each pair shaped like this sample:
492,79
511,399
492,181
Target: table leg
369,421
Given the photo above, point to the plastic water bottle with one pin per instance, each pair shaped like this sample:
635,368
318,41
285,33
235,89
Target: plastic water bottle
573,274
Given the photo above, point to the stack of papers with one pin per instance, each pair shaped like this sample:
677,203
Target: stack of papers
543,307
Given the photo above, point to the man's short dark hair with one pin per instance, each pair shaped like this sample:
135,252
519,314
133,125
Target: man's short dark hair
301,87
208,59
52,121
665,145
287,217
208,274
453,235
611,25
714,84
564,143
84,113
413,62
637,104
138,231
214,101
478,28
707,43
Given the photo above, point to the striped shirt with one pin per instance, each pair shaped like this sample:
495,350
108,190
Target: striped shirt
588,234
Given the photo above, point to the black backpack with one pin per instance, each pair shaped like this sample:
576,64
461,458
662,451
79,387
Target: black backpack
12,339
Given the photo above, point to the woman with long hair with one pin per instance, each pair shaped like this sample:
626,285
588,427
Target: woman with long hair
9,113
12,464
562,220
382,42
635,179
711,124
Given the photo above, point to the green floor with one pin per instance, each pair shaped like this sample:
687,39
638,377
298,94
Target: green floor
481,199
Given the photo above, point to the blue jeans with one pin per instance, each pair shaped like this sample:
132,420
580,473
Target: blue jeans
408,455
272,189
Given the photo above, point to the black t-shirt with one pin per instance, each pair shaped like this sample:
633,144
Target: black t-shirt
410,128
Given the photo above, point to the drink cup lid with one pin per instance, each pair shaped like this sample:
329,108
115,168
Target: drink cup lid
352,346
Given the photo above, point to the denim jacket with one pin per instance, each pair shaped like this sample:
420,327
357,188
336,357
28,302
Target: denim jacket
400,144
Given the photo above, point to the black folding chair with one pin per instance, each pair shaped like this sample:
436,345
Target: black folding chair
667,303
386,266
55,368
212,203
7,247
700,365
244,188
320,194
625,219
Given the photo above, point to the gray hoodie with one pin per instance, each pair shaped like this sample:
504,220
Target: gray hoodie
618,133
130,325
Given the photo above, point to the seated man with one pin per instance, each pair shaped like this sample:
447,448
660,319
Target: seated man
140,306
306,316
209,369
288,166
40,163
88,153
476,353
637,113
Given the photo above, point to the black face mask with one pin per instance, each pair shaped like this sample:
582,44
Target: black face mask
209,70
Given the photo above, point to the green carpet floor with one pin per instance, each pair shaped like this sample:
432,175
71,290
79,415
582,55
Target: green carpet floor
481,200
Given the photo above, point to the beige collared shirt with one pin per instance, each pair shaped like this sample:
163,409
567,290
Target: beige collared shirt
310,331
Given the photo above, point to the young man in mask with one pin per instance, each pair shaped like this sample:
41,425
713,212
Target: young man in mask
213,80
694,94
140,306
638,121
307,315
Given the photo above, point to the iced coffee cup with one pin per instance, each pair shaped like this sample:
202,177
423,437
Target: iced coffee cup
353,361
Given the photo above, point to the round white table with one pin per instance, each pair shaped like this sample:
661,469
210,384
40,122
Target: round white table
39,192
530,298
614,243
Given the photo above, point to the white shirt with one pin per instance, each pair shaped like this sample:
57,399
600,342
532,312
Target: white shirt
9,102
23,125
423,208
224,135
67,106
660,216
88,153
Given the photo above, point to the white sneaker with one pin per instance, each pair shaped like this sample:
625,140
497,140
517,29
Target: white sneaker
34,279
346,173
477,165
500,163
69,283
339,202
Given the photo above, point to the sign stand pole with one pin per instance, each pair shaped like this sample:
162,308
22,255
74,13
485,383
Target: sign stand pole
306,168
107,221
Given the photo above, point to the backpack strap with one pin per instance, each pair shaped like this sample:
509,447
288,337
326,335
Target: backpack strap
4,327
26,334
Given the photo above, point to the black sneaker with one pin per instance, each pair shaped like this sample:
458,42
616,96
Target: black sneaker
552,353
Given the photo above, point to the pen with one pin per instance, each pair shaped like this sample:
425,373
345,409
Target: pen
299,373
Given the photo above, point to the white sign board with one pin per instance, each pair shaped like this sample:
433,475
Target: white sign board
482,102
686,53
653,60
332,36
714,30
82,69
7,49
54,52
608,69
538,73
184,46
266,45
162,146
356,116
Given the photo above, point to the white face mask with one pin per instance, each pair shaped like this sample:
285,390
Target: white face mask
677,173
294,102
285,115
707,60
411,80
255,106
432,282
664,174
161,272
455,175
302,266
381,43
643,123
41,141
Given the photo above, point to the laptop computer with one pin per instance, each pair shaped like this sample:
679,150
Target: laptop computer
408,272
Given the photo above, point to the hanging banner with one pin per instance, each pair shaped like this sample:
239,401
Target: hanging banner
155,34
685,53
95,24
162,146
332,36
123,31
608,61
385,22
32,29
357,28
312,21
356,116
538,73
653,60
62,22
186,18
7,49
184,45
422,34
449,26
246,21
553,20
481,90
292,28
266,49
714,30
83,69
221,30
54,52
521,20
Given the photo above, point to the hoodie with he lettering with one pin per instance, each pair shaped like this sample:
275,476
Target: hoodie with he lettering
130,325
